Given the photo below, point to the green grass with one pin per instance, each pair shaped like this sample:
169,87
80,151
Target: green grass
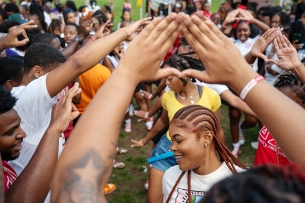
118,5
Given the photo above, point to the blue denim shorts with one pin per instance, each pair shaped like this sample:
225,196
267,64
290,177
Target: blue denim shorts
162,147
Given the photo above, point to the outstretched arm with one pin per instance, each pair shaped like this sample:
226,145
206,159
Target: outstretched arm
87,57
236,102
84,165
160,125
279,113
33,184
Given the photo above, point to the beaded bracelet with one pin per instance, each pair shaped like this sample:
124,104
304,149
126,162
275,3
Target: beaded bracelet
249,86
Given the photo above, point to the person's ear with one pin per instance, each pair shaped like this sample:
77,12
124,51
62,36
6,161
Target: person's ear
8,85
207,137
37,71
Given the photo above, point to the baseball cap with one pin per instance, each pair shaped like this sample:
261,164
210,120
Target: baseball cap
17,17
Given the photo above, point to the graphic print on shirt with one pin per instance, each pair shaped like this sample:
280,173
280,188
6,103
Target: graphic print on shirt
267,141
182,196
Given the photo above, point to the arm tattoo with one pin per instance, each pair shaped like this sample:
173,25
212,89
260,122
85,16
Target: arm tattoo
82,181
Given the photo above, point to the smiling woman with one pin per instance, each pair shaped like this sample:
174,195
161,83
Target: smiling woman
194,132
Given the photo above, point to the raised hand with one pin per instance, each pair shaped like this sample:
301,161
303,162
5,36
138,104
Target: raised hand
103,30
134,27
245,15
11,40
162,34
213,47
263,42
85,26
231,17
287,54
64,110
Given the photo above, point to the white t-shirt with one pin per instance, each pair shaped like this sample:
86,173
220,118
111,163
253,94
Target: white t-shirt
34,106
113,60
217,87
200,184
245,48
272,78
47,18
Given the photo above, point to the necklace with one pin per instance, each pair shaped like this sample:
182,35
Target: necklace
189,98
189,194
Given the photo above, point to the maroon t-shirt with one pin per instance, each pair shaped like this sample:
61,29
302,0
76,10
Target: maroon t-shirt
9,175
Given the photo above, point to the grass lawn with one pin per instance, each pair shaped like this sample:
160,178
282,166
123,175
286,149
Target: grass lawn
118,5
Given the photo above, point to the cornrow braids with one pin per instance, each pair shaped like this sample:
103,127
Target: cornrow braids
187,47
289,79
195,119
183,62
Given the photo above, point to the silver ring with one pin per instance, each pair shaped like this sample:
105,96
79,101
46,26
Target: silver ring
142,94
285,45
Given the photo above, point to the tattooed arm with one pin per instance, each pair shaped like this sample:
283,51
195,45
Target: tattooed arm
86,162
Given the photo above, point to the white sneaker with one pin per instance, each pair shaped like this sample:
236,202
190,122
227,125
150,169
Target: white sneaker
241,135
131,109
236,151
149,125
127,127
254,145
146,185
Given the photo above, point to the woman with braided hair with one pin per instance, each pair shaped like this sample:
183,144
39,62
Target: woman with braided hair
268,151
183,93
197,146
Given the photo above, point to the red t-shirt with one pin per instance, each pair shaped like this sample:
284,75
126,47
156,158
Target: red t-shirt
9,175
266,151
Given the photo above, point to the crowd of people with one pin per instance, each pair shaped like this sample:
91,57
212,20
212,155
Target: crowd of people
68,80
